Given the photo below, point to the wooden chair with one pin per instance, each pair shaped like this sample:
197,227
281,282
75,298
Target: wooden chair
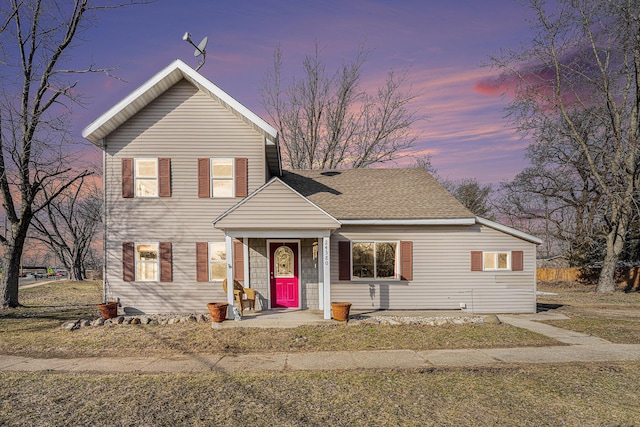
239,294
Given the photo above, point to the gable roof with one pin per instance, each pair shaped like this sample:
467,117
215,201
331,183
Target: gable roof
509,230
409,195
294,211
160,83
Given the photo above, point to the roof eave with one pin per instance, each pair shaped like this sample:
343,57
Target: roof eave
509,230
145,94
410,221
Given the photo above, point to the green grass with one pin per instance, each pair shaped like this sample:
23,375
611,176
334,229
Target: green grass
525,395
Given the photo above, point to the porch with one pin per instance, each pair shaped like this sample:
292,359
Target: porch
285,244
287,274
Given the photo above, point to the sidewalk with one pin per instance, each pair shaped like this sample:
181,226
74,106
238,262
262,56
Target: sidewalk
581,348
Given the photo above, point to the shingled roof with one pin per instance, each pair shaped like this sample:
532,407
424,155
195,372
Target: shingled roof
377,194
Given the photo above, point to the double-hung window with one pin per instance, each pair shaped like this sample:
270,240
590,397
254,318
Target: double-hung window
147,262
496,261
374,260
222,178
146,177
217,261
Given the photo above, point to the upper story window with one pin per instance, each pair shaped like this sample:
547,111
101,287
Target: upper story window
146,177
222,178
374,260
496,261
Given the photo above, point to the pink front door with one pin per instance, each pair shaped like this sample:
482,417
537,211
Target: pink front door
284,274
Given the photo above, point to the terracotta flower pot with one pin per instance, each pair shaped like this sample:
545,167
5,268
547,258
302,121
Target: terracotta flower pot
340,311
109,310
218,311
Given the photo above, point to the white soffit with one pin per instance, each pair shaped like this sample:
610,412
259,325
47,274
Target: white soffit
156,86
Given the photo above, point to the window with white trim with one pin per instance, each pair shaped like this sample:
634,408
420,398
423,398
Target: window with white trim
222,178
495,261
146,177
217,261
147,262
374,260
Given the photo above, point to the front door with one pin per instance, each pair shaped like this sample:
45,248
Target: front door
284,274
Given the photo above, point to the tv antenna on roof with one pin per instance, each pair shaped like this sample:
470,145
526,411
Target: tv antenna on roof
200,48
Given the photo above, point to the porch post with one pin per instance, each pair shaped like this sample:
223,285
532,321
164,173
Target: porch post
326,273
320,264
229,248
245,253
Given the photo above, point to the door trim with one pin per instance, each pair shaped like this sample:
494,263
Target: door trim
269,242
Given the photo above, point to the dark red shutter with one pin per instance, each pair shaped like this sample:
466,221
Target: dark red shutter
127,177
344,260
166,262
128,262
241,177
164,177
204,181
238,260
202,262
476,260
517,261
406,260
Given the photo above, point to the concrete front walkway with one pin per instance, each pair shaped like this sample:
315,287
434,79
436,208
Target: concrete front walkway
581,348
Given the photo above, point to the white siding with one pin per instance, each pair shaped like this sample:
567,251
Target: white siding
442,276
183,124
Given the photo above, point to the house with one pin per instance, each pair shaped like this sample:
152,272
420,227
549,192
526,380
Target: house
195,194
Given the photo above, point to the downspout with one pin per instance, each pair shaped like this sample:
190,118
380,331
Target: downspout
104,221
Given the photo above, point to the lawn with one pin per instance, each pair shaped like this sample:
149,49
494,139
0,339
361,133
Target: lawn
614,317
526,395
573,394
35,330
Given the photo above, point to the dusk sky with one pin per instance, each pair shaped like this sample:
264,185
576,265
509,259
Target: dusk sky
442,44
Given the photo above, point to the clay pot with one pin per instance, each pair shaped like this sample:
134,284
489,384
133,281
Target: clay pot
109,310
340,311
218,311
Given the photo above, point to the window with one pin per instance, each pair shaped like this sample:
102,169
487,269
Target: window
146,259
496,260
374,260
222,177
211,261
217,261
146,177
218,177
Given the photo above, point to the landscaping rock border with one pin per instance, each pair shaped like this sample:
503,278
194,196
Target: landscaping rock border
413,320
354,320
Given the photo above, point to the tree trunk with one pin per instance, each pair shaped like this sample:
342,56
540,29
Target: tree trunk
615,245
76,273
11,272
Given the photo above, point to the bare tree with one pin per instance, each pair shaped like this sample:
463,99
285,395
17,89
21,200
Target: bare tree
37,94
327,121
473,195
468,191
69,225
558,192
585,57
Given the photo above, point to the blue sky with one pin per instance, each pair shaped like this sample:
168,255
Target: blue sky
442,45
